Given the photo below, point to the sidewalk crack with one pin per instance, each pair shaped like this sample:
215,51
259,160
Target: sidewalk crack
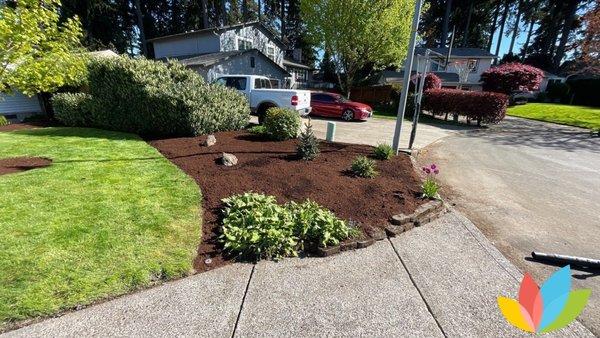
418,289
235,327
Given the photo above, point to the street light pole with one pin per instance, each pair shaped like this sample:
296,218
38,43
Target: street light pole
405,81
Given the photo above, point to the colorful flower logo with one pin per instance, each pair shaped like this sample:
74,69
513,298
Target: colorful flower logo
545,309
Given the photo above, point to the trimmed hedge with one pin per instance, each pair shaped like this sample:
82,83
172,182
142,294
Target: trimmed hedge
72,109
282,123
155,98
484,107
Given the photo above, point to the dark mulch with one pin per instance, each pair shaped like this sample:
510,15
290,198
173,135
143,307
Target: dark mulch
273,168
18,164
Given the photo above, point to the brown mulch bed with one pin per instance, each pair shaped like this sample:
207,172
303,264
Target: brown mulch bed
40,122
273,168
18,164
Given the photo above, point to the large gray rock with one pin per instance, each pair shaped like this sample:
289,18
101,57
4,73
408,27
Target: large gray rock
229,160
210,141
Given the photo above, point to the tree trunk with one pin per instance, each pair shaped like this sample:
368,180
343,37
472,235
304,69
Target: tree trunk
526,45
496,13
244,10
282,18
204,13
516,29
502,22
140,23
468,25
259,9
566,31
223,12
444,36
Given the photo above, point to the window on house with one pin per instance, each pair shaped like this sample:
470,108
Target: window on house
473,65
271,52
252,62
243,43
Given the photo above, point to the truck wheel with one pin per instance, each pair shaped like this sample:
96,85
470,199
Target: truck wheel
348,115
262,112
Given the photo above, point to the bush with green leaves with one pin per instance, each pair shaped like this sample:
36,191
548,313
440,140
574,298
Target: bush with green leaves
255,226
383,152
72,109
308,147
282,123
3,121
364,167
156,98
258,130
314,224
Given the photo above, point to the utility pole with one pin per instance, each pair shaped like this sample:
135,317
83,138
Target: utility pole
405,81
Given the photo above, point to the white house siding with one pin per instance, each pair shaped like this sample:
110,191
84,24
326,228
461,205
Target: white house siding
241,65
19,105
187,45
260,41
474,77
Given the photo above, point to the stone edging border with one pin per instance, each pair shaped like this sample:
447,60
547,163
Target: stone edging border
398,224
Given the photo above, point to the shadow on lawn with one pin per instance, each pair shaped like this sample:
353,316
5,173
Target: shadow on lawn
78,132
534,134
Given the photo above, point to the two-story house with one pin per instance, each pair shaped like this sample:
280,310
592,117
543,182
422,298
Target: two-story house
248,48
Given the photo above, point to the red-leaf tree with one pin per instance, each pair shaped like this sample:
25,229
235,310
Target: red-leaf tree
432,81
511,77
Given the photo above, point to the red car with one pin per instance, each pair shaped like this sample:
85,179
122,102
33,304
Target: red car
335,105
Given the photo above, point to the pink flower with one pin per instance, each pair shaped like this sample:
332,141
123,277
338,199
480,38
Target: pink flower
433,166
427,170
436,171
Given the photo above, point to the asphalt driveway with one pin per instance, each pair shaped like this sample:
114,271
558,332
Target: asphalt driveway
529,186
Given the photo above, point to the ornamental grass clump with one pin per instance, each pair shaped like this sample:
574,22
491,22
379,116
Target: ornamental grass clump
308,147
255,227
430,185
383,152
363,167
3,121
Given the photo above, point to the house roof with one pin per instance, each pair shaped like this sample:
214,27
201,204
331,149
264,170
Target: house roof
458,52
207,60
394,76
295,64
258,24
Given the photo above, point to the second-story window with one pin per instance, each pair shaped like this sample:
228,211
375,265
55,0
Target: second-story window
271,52
243,43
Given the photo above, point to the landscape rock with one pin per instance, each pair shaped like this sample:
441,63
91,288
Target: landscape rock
229,160
210,141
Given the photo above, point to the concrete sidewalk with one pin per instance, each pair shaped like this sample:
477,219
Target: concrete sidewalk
438,280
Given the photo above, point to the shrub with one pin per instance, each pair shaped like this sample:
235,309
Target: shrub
363,167
430,186
255,227
557,91
314,224
308,147
258,130
163,99
3,121
72,109
485,107
432,81
510,77
383,152
282,124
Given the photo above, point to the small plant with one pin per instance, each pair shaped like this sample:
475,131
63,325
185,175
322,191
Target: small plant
258,130
318,225
3,121
282,124
308,148
383,152
430,186
255,227
363,167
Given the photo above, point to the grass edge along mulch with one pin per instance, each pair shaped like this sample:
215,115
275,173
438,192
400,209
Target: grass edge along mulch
110,215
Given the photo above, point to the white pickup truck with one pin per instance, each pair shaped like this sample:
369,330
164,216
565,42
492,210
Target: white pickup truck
262,95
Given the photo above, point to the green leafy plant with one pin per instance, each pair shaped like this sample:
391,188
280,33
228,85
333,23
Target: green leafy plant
282,124
255,227
308,147
383,152
257,130
72,109
3,121
430,186
314,224
363,167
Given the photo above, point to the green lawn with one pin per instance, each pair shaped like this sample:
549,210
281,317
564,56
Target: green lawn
109,216
586,117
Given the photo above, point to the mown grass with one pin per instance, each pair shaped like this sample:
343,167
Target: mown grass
109,216
586,117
